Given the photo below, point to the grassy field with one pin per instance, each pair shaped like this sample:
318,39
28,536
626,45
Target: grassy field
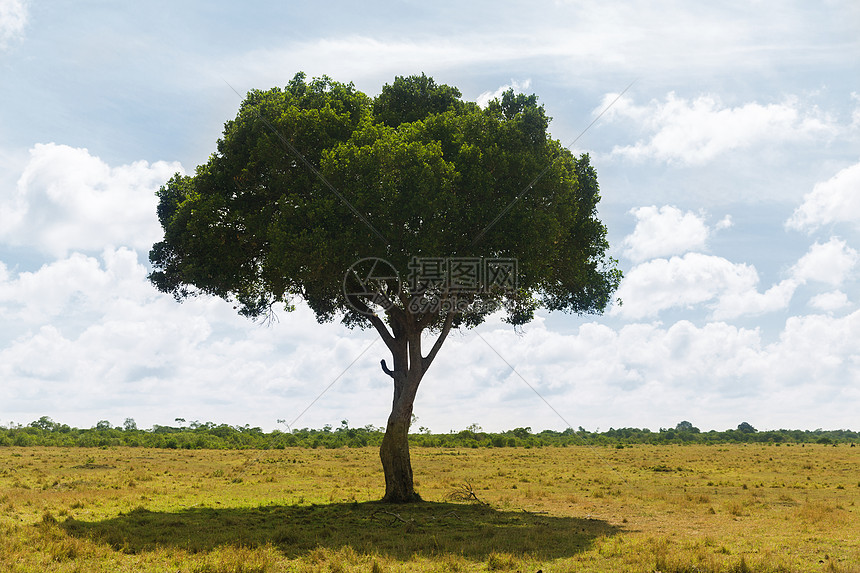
673,509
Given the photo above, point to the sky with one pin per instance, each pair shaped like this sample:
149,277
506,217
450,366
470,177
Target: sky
729,175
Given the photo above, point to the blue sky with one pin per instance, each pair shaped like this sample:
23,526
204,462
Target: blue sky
730,176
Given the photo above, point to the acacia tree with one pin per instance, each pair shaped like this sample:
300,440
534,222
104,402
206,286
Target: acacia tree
438,211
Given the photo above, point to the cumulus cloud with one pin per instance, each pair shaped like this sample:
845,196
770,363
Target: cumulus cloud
106,345
735,302
84,326
830,301
830,263
87,338
716,374
68,200
595,375
13,19
730,289
696,131
75,286
817,347
727,289
664,231
836,200
518,87
50,291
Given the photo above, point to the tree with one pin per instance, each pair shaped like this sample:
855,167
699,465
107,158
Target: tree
686,426
746,428
411,212
44,423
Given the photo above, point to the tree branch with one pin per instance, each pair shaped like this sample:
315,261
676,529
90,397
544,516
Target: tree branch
464,492
446,328
380,327
395,517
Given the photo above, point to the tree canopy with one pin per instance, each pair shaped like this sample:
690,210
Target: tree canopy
426,171
316,186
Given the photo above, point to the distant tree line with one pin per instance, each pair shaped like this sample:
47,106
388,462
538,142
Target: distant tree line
208,435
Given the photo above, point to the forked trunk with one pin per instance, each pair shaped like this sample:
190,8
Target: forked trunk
409,368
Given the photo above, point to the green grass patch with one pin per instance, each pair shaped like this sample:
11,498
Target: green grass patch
675,509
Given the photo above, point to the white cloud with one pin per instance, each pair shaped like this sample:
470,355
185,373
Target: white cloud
138,353
695,279
715,375
52,290
836,200
576,42
735,302
13,19
664,231
728,289
818,348
830,263
518,87
354,57
830,301
595,375
89,338
75,287
724,223
67,200
697,131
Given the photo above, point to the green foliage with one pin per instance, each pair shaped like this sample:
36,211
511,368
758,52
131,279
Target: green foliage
415,172
746,428
686,427
413,98
208,435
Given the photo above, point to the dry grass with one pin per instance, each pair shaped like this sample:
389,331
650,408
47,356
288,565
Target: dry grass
673,509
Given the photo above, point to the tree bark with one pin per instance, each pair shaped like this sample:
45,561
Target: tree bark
409,367
394,452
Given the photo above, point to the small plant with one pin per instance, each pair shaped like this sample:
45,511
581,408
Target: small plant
500,562
741,567
735,508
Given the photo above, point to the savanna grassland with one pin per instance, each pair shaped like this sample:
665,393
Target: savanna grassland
693,508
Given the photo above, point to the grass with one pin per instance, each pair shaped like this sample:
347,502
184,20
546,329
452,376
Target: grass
673,509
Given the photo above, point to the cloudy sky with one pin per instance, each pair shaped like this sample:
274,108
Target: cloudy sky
730,176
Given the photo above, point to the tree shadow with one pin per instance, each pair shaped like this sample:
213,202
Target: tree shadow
471,530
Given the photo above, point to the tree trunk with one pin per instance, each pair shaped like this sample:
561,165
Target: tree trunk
394,452
409,368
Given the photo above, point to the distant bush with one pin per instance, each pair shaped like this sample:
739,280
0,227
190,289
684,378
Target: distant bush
196,436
